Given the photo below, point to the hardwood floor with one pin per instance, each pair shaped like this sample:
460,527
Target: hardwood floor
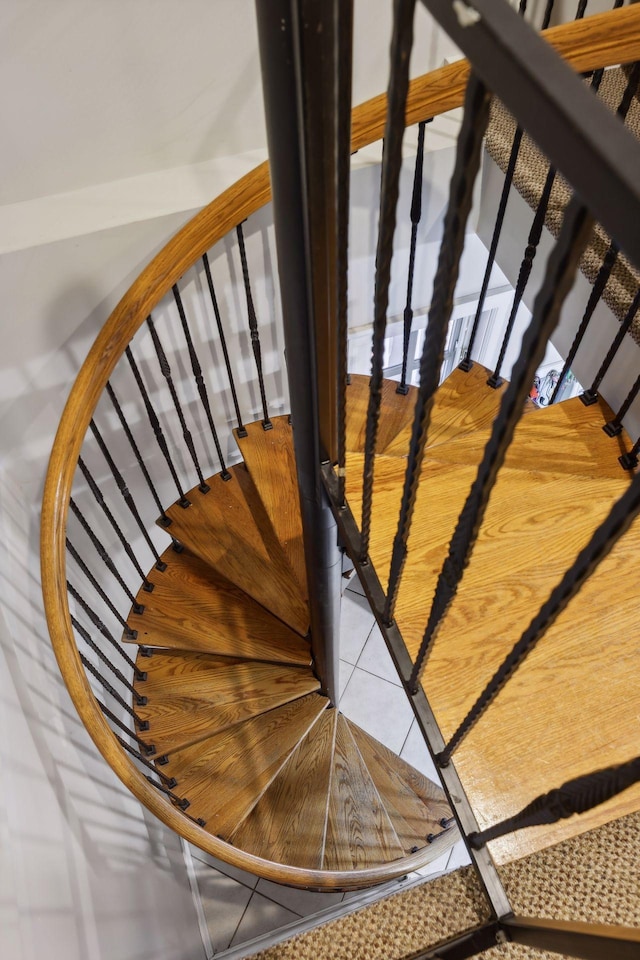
573,706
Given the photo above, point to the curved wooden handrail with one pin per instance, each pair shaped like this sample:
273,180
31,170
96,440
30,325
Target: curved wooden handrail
599,41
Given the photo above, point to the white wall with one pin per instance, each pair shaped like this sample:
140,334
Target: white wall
86,872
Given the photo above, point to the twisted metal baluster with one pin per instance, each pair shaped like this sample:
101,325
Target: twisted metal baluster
165,369
609,260
214,300
155,426
620,518
199,379
614,427
95,619
253,328
104,556
574,796
101,593
559,276
164,519
86,636
169,782
416,214
141,724
181,802
535,233
466,363
148,748
495,380
98,496
126,493
401,43
475,119
590,396
344,60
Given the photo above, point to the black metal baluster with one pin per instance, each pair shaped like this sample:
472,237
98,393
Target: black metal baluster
573,797
169,782
86,636
148,748
181,802
97,493
466,363
475,119
614,427
97,622
223,342
344,64
157,429
416,213
138,607
609,260
197,375
164,519
141,724
559,276
253,328
629,460
603,540
590,396
126,493
104,556
495,380
165,369
401,43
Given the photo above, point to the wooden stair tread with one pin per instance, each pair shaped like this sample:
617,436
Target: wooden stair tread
287,825
229,529
453,415
566,438
359,831
191,696
224,776
194,608
398,412
415,805
270,460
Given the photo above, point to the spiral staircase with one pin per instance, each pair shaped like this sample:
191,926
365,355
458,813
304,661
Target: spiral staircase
237,745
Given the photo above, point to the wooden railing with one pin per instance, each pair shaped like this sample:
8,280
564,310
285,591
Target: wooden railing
596,42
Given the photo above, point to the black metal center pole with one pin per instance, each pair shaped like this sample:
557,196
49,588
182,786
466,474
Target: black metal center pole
299,57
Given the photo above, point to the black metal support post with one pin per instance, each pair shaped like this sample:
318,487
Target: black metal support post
299,45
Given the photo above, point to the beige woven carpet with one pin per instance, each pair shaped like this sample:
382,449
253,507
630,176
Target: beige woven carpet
529,178
593,878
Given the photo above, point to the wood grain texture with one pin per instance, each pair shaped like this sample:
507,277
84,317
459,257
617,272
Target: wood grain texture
229,529
574,704
359,831
452,415
194,608
190,696
414,804
225,775
288,823
270,460
566,438
589,44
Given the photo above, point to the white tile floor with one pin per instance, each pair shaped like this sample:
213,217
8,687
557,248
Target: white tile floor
237,906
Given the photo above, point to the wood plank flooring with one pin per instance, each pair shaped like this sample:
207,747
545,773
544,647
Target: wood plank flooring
573,706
